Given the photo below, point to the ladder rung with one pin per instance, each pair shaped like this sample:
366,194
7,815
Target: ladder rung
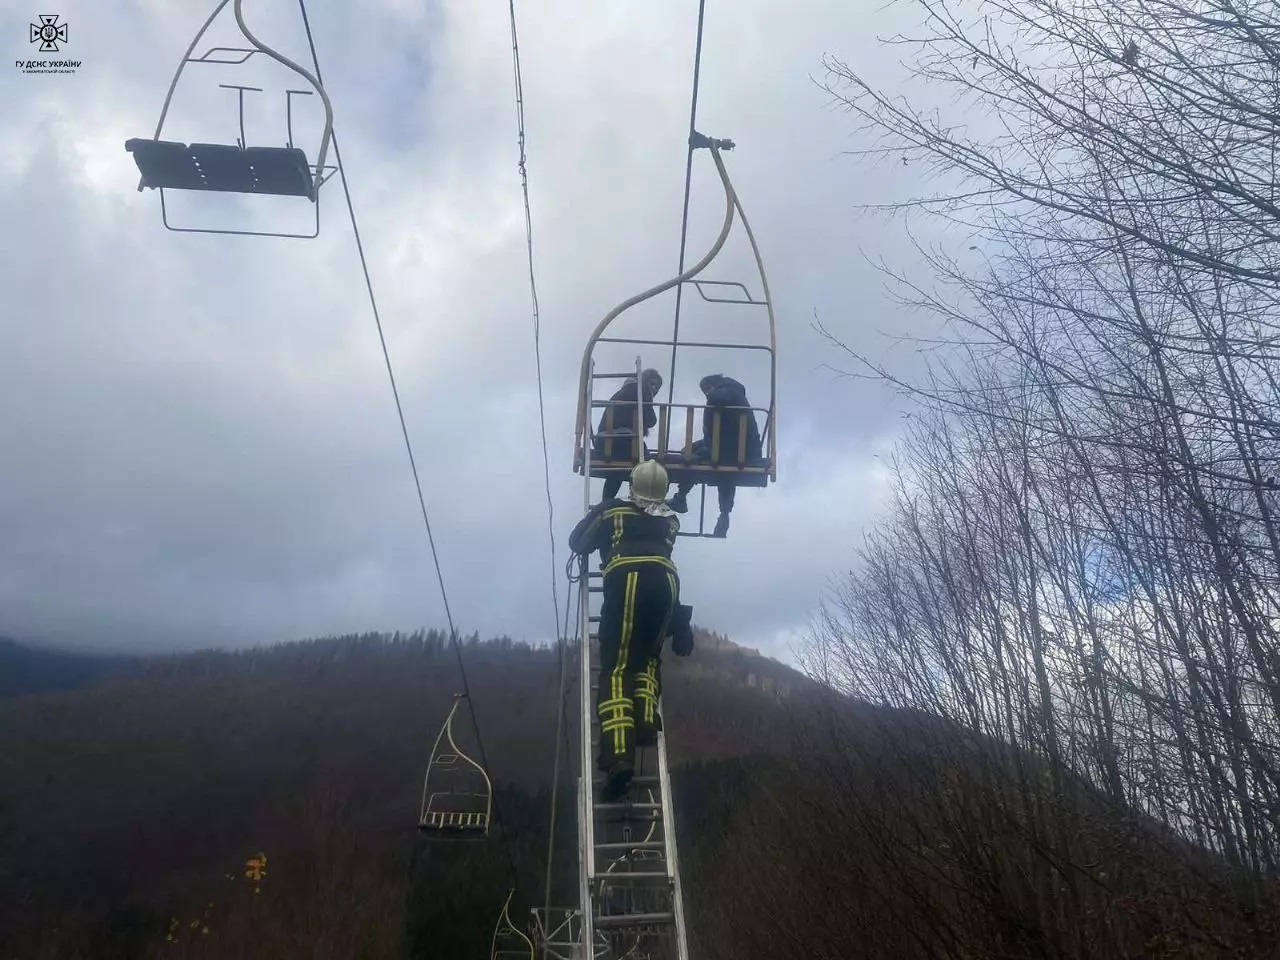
612,376
633,845
637,806
633,920
595,743
646,877
645,781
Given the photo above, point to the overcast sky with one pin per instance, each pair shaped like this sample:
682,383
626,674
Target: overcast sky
198,442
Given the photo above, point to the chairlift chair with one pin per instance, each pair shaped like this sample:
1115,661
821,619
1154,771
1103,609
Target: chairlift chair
281,171
612,454
457,797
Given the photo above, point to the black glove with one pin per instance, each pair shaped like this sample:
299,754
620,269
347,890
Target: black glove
682,630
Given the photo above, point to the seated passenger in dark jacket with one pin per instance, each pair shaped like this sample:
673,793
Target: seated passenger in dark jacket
619,420
722,446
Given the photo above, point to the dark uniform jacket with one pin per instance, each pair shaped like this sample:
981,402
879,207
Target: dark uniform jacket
624,420
730,393
625,535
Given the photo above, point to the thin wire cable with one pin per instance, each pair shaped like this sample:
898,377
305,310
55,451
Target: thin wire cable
688,184
546,457
417,482
533,294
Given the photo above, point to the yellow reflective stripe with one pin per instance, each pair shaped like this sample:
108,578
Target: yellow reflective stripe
624,649
647,689
624,561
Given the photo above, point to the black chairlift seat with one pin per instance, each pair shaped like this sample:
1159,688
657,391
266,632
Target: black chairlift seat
223,168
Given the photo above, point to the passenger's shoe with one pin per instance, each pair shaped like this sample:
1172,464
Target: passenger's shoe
722,526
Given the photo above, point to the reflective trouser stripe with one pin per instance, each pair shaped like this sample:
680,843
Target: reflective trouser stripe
616,712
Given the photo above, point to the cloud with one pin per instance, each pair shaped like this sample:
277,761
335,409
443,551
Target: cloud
198,437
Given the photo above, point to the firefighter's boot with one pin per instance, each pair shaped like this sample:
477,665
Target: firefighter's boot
619,781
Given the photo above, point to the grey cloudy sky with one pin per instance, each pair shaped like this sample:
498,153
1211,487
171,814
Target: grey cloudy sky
198,442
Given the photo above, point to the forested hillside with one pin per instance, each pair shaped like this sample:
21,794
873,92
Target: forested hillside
141,797
132,809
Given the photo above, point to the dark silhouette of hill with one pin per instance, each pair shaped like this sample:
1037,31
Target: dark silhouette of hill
29,669
808,825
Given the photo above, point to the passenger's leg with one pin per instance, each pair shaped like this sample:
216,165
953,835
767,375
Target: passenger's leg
728,490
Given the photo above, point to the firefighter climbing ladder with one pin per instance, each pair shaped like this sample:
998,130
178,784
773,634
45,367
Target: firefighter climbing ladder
629,877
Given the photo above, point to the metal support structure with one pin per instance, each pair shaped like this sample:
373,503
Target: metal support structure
558,932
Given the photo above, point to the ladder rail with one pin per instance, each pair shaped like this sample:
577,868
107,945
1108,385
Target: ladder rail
669,841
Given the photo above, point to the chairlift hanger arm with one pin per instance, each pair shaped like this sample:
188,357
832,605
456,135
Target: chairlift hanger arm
302,71
505,929
731,204
771,425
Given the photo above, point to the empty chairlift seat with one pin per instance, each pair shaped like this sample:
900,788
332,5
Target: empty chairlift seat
223,168
457,797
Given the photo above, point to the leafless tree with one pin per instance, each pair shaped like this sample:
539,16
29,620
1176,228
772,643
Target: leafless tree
1081,564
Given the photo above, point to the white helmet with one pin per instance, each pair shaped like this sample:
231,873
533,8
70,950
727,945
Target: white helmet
649,482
